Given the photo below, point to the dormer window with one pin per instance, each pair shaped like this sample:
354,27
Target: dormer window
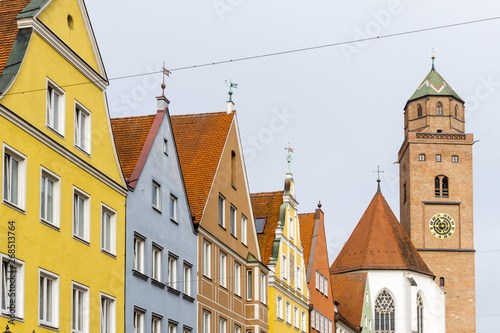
439,109
419,111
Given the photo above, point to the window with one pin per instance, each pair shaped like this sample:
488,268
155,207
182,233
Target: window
318,324
108,320
222,325
156,264
49,198
296,316
439,108
138,321
438,157
321,283
156,196
206,258
48,295
222,269
82,128
187,279
313,319
441,186
55,107
291,229
172,328
165,146
205,322
80,309
12,292
233,167
454,159
384,313
420,314
237,329
138,254
155,325
284,268
232,221
325,289
108,229
249,284
172,272
237,279
288,312
14,177
222,207
259,225
317,280
456,111
421,157
303,321
441,281
81,215
419,111
321,323
173,207
263,287
279,307
243,229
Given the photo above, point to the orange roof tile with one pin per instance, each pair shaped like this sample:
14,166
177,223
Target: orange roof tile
267,205
200,139
379,242
349,291
9,9
307,222
130,134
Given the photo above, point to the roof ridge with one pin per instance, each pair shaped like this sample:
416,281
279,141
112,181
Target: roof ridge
199,114
370,229
394,233
265,193
132,117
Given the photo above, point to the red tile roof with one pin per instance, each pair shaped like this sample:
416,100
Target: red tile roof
379,242
9,9
349,291
307,222
200,140
267,205
130,134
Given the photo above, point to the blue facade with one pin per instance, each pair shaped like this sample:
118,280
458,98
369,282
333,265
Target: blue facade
161,251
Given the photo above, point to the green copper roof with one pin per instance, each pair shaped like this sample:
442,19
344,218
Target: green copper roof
434,85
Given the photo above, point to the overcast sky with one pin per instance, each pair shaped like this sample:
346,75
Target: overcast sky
341,108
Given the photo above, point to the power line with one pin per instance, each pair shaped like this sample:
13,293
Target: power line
272,54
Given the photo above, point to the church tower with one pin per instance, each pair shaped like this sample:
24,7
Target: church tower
435,168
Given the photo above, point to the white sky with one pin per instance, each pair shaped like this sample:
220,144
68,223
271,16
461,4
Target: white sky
341,108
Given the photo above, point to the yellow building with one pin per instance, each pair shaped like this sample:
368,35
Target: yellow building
278,231
63,194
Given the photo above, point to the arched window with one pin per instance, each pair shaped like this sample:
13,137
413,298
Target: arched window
233,167
456,111
439,108
441,186
419,111
384,313
420,314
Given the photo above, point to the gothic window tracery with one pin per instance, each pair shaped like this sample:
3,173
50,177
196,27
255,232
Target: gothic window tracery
439,108
420,314
384,313
419,111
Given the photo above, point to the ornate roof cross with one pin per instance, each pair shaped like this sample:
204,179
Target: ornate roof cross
378,171
231,85
289,155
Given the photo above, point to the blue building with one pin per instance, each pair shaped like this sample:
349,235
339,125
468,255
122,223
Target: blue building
160,270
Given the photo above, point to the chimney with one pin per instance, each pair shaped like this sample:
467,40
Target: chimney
162,103
230,106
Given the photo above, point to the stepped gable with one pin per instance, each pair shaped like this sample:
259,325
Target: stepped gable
434,85
200,140
307,223
9,9
267,205
349,291
379,242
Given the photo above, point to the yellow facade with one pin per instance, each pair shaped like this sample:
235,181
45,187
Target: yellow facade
51,250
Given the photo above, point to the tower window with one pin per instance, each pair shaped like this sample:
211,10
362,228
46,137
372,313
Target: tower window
441,186
421,157
419,111
438,157
441,281
456,111
404,192
439,109
454,158
440,131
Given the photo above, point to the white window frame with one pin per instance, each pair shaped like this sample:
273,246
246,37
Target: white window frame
263,288
232,220
288,312
156,196
20,200
173,208
237,328
108,231
187,271
321,283
207,258
205,322
172,271
222,210
317,280
223,269
108,306
86,215
222,325
49,108
313,319
279,307
83,315
172,327
454,158
43,278
291,228
18,275
298,278
303,321
155,324
244,229
296,322
421,157
45,177
284,267
439,158
318,324
138,321
156,253
249,285
138,254
325,288
237,279
83,138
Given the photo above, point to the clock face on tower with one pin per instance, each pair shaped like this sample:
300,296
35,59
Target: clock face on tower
442,226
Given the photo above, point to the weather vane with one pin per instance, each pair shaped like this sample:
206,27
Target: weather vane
378,177
433,52
231,85
167,73
289,155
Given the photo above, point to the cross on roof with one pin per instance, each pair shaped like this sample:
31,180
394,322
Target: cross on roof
289,155
433,52
378,171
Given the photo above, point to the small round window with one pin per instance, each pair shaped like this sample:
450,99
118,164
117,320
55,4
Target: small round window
70,22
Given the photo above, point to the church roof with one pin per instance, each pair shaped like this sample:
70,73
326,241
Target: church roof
200,140
267,205
434,85
307,224
349,291
379,242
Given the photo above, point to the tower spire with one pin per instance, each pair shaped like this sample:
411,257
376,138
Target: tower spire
378,171
289,156
433,56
